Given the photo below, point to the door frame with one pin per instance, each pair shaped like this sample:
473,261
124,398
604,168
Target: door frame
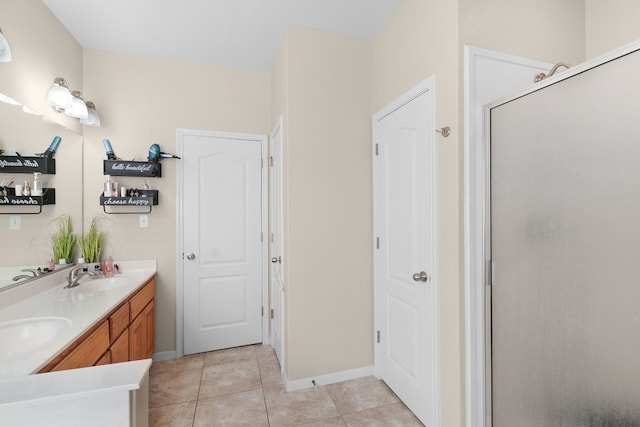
264,267
277,128
476,170
428,85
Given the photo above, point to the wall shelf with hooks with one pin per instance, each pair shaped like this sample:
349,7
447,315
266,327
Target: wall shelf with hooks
139,198
11,200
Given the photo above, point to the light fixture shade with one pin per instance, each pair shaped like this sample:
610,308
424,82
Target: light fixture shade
93,118
78,108
5,50
59,96
8,100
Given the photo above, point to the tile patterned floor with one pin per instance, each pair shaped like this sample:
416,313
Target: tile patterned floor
242,387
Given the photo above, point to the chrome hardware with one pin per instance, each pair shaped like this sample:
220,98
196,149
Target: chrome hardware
445,131
191,256
421,277
277,260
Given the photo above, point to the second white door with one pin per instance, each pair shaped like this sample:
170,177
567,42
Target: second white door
222,240
406,299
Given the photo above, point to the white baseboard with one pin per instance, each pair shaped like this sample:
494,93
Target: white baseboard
165,355
320,380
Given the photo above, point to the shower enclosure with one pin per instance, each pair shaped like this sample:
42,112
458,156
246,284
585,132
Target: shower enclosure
564,244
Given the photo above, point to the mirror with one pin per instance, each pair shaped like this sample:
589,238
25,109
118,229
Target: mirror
29,247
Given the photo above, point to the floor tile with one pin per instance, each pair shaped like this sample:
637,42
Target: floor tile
195,361
331,422
395,415
229,355
168,388
228,378
270,371
298,407
263,351
237,410
180,415
359,394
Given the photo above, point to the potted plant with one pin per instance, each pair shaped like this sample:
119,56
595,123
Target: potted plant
63,243
91,243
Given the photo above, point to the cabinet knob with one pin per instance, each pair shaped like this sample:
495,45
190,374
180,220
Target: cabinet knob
191,256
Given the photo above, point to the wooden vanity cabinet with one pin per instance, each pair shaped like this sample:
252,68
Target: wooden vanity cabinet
124,334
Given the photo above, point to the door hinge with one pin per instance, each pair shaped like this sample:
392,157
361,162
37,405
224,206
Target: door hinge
272,313
378,336
262,236
377,151
377,243
271,161
262,312
271,237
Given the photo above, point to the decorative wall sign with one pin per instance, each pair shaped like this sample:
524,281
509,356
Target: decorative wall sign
21,164
130,168
144,198
48,198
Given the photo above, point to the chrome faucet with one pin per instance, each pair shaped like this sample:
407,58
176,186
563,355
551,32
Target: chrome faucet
75,275
35,272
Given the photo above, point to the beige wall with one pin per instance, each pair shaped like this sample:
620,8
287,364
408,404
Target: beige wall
610,24
545,30
142,101
327,165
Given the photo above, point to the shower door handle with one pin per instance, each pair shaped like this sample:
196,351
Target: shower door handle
421,277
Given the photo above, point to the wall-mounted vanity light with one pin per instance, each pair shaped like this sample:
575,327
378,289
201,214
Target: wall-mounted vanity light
61,99
5,50
77,109
93,118
59,96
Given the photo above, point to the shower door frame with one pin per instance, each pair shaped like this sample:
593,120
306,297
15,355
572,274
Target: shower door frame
488,271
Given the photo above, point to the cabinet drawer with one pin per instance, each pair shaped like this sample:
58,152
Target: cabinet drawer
88,351
140,300
120,348
118,322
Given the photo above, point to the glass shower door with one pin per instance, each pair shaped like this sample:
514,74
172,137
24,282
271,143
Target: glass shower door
565,245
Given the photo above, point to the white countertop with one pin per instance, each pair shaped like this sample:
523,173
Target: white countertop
51,300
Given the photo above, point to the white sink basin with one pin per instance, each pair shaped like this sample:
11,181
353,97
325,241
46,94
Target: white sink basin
18,337
91,286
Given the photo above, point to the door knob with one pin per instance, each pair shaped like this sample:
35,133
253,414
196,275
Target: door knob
421,277
191,256
276,260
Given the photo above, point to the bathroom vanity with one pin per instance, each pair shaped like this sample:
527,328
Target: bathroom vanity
46,327
63,334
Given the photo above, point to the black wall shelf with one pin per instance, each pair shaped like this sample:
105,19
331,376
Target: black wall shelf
25,164
145,199
10,200
131,168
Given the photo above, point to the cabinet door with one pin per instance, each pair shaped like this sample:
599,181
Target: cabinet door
149,329
120,348
136,338
105,359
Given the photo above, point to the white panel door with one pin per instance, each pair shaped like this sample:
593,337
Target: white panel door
222,226
405,259
277,279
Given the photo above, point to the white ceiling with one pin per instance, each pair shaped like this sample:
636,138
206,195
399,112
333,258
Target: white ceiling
233,33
